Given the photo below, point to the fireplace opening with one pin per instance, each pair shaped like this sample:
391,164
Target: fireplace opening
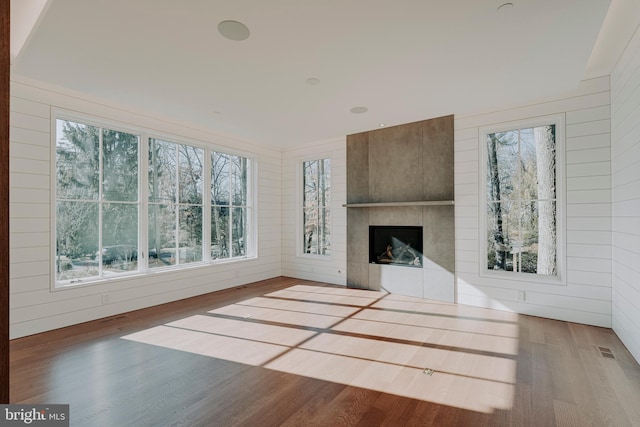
396,245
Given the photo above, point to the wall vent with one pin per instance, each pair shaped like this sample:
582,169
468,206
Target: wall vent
111,319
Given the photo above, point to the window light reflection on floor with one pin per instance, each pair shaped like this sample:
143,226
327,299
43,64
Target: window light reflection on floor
363,339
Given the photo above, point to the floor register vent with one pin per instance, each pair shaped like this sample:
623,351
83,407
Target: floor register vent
605,352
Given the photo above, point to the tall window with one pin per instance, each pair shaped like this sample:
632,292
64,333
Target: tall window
521,200
316,207
230,210
176,174
96,201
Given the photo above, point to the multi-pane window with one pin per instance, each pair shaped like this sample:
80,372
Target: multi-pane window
176,174
521,200
230,210
316,207
128,203
96,201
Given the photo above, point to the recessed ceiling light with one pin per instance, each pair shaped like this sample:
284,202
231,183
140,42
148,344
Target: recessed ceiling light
233,30
312,81
359,110
382,125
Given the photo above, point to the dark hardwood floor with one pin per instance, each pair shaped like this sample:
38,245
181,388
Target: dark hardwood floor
299,353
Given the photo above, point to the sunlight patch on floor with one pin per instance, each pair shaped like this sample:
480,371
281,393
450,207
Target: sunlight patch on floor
363,339
206,344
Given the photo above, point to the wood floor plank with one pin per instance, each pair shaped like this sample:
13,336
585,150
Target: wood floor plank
336,357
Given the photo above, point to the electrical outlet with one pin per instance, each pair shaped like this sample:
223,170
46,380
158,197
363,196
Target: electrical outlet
521,296
105,299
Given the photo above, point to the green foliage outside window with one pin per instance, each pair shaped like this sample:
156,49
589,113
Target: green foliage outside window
96,201
98,204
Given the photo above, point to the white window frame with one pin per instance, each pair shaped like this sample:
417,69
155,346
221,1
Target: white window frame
251,247
104,124
144,135
559,121
300,208
177,142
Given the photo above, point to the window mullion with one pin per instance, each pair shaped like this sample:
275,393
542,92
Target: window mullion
100,196
143,203
520,195
176,204
318,208
206,206
230,225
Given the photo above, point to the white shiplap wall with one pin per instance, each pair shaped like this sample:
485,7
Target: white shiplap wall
625,165
333,268
34,307
586,296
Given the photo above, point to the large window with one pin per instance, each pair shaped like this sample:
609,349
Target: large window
521,201
96,201
175,203
316,206
120,211
230,210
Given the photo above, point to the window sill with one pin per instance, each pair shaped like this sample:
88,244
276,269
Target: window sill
524,277
62,286
315,257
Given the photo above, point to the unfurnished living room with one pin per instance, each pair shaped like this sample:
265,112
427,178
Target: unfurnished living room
336,213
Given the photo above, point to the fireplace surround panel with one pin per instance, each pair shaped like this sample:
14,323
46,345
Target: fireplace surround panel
389,170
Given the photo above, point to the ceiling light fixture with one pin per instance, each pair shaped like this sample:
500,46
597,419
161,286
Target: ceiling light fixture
312,81
359,110
382,125
233,30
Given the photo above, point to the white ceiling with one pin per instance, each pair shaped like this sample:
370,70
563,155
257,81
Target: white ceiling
405,60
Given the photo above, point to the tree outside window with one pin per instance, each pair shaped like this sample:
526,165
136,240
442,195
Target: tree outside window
176,173
521,200
230,210
96,201
316,209
98,223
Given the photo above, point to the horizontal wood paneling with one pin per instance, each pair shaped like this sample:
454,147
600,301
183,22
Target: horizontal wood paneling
35,308
589,251
587,142
585,295
589,156
598,168
625,166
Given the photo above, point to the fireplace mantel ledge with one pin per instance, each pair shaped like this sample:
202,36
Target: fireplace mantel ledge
386,204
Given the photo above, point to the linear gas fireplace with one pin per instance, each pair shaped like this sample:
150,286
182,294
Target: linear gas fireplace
395,245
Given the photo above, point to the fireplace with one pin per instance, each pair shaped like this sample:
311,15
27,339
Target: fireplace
395,245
